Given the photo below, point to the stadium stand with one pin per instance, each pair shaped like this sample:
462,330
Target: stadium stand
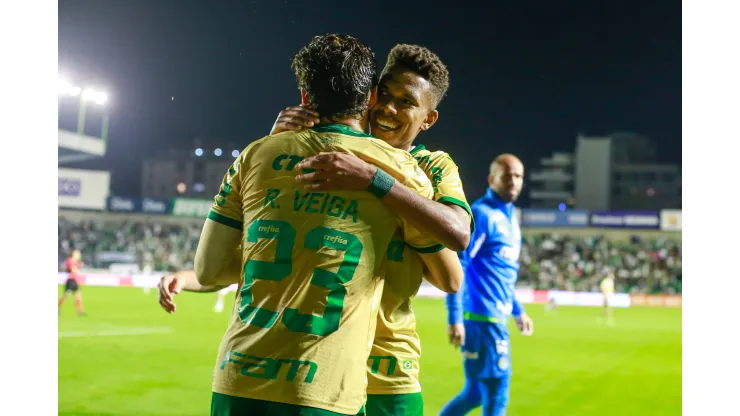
574,263
569,260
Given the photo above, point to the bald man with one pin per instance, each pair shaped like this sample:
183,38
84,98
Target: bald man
478,314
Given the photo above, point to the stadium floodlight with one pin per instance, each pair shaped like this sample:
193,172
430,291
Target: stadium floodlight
218,152
67,88
84,95
199,152
94,95
234,153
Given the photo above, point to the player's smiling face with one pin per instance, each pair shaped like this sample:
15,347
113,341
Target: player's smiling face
405,107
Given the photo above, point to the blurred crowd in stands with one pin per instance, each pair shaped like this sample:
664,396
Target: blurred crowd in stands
561,262
151,246
547,261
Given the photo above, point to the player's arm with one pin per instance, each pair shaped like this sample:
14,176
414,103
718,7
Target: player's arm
172,284
442,222
517,308
221,233
295,118
455,328
444,271
443,267
454,300
480,233
449,225
523,322
188,281
211,259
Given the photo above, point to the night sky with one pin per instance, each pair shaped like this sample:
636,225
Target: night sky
526,77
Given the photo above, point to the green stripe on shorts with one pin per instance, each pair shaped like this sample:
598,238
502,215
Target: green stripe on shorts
224,405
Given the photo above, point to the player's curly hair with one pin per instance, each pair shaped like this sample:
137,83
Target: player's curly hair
337,72
423,62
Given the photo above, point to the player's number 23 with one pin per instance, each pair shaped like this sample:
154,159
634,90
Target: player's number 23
284,234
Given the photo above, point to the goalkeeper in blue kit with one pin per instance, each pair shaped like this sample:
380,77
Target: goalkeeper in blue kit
478,314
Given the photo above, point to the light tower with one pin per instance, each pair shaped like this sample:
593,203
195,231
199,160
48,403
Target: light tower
78,146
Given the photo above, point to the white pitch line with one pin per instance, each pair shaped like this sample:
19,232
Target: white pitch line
115,332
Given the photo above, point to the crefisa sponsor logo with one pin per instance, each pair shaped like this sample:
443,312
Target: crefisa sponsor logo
70,187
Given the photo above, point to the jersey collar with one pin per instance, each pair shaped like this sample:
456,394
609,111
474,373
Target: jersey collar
416,149
507,207
339,128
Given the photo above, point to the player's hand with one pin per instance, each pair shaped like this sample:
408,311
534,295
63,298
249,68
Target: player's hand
456,334
525,324
169,286
337,171
295,118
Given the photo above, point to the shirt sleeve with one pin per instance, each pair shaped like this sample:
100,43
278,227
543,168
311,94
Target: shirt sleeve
227,204
446,183
418,182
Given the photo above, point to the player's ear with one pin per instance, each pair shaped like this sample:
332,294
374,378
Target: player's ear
304,97
373,98
490,181
430,120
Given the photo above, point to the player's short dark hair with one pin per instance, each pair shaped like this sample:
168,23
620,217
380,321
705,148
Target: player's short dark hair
337,72
423,62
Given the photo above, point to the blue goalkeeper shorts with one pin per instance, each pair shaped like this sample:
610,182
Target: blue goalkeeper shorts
486,351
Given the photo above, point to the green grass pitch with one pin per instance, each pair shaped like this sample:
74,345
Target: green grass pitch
128,357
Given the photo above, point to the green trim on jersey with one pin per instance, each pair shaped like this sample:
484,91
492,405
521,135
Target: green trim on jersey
427,250
411,404
417,148
229,222
461,204
448,199
340,129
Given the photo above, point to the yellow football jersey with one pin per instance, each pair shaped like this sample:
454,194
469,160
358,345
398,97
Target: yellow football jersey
313,263
445,177
393,366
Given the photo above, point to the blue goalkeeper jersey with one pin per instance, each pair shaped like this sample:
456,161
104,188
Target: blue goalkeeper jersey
491,265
